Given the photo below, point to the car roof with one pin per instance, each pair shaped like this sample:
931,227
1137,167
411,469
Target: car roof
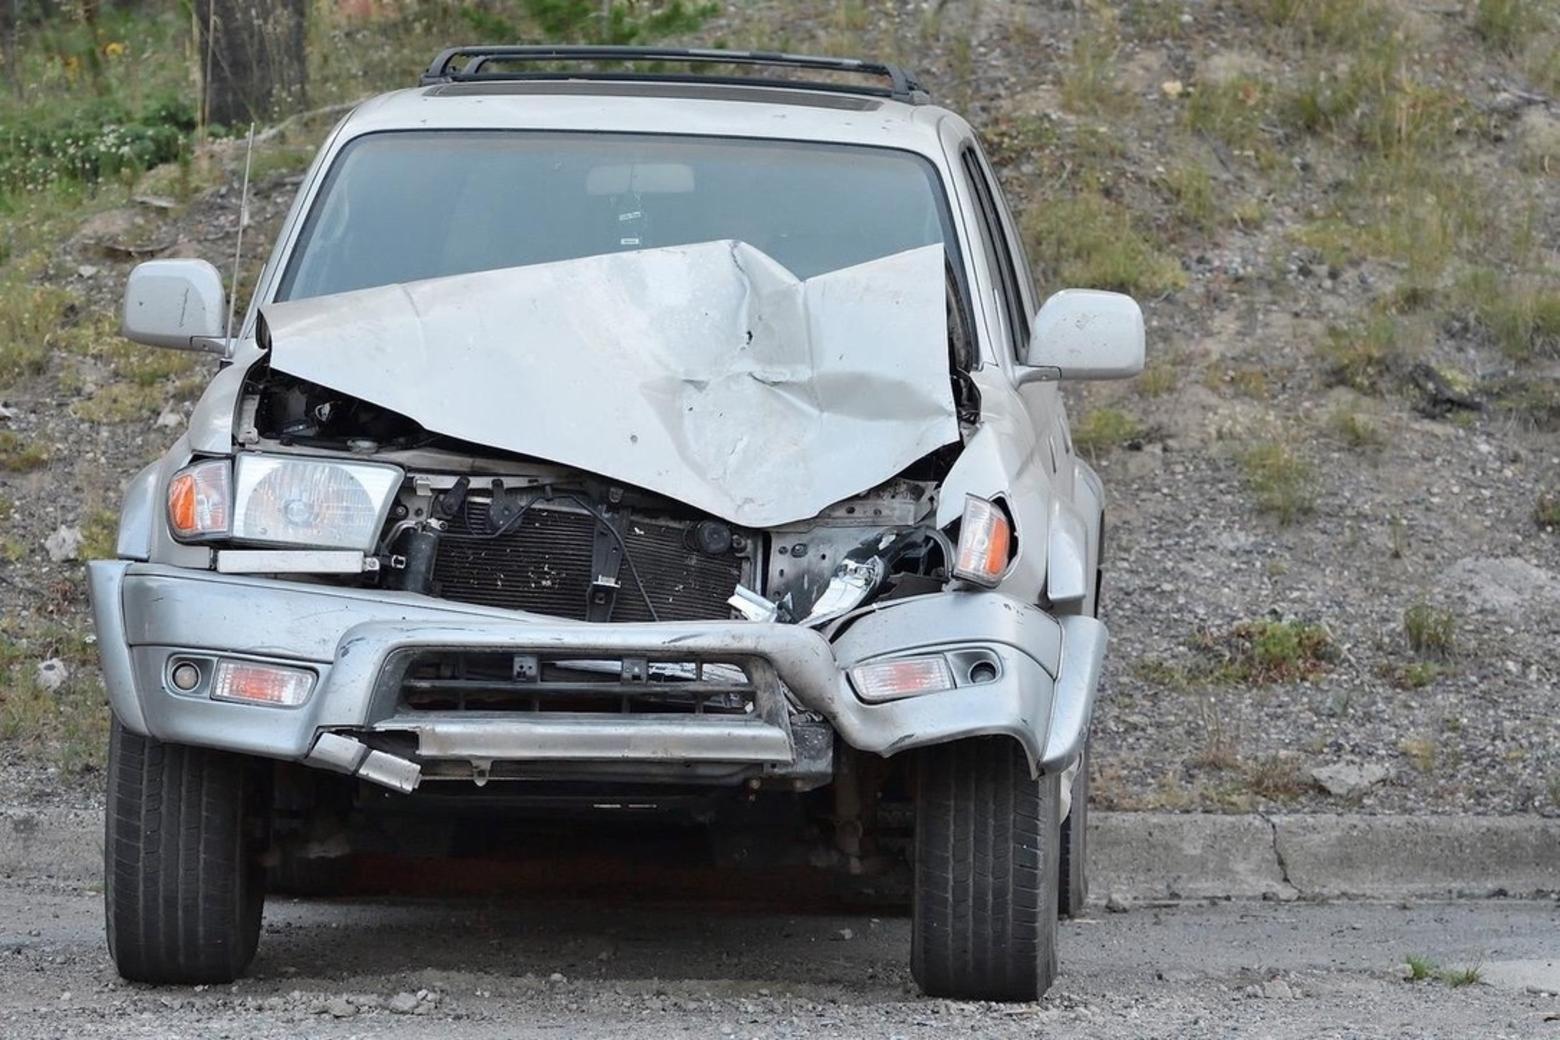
720,110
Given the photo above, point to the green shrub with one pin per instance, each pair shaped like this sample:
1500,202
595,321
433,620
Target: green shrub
1105,429
18,456
1354,429
1522,320
1363,356
1265,651
1430,630
1283,482
42,146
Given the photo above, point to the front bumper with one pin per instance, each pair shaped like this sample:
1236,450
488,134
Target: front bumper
147,613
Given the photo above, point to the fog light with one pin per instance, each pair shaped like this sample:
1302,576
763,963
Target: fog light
255,683
901,677
983,672
185,676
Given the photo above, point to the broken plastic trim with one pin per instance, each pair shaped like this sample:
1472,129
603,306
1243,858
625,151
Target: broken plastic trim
355,758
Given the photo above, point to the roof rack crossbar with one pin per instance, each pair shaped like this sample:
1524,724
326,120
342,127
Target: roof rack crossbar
902,86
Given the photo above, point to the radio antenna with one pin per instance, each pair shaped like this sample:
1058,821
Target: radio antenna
238,249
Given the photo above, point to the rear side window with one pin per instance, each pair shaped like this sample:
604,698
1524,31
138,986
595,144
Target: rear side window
999,253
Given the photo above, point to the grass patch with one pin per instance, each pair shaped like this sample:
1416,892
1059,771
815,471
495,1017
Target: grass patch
1423,969
17,456
1220,747
100,535
1275,777
1421,751
1158,378
1104,430
1156,19
68,726
120,403
1089,84
1264,651
1284,484
30,318
1430,630
1321,22
1233,112
1546,511
1522,320
1243,380
1355,429
1363,356
1089,241
1532,400
1191,189
1413,212
1459,977
1415,675
1506,24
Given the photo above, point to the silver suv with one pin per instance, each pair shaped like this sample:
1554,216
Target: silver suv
607,441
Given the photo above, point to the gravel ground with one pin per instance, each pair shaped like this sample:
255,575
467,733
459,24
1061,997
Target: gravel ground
494,969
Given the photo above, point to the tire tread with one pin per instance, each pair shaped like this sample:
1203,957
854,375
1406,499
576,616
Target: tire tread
182,886
985,873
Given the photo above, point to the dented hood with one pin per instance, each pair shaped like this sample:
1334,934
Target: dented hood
707,373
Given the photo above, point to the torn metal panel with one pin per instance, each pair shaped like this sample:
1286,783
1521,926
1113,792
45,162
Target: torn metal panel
708,373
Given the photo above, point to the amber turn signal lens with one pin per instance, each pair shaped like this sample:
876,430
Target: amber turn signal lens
198,498
985,542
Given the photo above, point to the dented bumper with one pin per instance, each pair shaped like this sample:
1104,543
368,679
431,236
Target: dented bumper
149,615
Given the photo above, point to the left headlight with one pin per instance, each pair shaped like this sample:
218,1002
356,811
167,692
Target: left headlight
277,500
325,505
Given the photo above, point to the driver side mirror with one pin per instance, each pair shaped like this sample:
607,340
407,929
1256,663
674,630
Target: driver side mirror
175,303
1085,334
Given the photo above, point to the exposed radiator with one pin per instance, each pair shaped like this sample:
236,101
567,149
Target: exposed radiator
544,565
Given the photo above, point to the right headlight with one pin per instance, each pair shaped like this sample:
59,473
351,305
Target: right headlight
282,500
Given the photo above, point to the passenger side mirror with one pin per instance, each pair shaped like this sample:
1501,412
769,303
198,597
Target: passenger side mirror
1085,334
177,304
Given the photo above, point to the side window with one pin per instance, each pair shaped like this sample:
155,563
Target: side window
999,252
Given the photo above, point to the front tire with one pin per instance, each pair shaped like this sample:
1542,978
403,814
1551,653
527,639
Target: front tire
986,868
183,884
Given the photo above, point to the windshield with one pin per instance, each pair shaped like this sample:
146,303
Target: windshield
398,207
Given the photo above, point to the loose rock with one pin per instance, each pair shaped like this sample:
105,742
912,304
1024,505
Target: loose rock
64,544
340,1007
52,674
1349,778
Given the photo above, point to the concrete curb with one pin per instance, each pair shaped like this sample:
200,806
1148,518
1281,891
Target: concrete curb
1135,856
1203,855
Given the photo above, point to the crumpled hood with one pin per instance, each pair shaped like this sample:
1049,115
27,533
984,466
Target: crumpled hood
707,373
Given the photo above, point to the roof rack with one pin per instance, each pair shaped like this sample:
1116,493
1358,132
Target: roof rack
901,85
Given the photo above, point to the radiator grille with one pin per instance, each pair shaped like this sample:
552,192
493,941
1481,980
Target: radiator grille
543,565
476,680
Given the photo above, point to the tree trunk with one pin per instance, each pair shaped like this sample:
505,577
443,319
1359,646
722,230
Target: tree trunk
10,30
252,58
